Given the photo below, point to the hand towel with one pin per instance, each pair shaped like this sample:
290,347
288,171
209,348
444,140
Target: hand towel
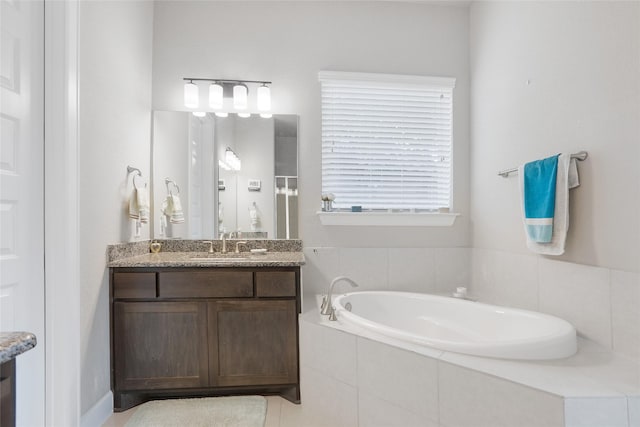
133,206
142,197
172,207
566,178
177,215
539,193
139,205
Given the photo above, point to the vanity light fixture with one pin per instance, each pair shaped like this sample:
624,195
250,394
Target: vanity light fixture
219,89
191,95
264,98
216,96
240,92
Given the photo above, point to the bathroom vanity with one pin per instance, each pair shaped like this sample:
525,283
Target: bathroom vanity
12,344
185,325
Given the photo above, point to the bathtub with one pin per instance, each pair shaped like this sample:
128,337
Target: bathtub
459,326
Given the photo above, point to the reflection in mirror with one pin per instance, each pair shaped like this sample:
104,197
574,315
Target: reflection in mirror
256,195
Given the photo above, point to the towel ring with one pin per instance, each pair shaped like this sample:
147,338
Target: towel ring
137,174
168,181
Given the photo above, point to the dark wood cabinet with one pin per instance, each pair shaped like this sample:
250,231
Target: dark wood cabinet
160,345
255,342
8,393
203,331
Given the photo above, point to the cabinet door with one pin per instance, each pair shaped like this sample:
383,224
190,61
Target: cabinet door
253,342
160,345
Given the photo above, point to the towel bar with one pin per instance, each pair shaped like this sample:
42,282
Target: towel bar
580,156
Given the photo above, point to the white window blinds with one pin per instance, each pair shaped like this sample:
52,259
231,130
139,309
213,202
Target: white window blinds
386,140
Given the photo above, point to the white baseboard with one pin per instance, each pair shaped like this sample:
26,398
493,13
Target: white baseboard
99,413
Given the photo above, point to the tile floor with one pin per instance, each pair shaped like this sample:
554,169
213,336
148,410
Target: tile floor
274,408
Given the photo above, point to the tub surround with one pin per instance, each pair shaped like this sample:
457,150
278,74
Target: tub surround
595,382
13,344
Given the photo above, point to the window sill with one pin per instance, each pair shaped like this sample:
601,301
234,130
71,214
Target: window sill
387,219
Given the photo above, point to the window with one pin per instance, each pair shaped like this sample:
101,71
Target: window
386,141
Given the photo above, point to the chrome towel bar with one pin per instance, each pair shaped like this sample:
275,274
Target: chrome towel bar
581,155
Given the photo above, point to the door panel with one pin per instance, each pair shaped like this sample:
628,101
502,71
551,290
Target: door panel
22,194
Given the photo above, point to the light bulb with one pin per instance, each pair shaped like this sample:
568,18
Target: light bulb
221,114
191,95
199,113
215,95
264,98
266,115
240,97
244,115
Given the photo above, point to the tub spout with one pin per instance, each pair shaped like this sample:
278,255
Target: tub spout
327,307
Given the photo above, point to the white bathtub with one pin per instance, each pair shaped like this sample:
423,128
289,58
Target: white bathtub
459,326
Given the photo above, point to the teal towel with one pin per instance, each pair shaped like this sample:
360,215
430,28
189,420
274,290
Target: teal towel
540,198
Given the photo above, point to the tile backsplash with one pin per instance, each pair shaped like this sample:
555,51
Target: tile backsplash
603,304
431,270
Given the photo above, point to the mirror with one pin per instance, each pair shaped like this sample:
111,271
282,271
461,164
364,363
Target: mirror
201,191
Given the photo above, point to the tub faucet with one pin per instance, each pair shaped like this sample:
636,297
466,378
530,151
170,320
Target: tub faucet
327,306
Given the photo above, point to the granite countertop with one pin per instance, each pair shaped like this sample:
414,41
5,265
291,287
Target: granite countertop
204,259
13,344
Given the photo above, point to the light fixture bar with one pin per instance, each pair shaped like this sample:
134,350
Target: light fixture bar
191,79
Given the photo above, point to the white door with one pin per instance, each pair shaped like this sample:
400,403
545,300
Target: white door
22,194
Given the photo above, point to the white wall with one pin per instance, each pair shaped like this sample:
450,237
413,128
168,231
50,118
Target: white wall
288,43
255,145
551,77
225,137
581,61
115,123
171,156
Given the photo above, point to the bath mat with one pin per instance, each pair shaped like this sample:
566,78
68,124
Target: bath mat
232,411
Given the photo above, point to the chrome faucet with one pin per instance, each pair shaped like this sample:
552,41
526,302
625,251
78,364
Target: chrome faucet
241,242
327,306
210,245
224,244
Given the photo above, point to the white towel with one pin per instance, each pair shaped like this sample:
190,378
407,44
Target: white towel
177,215
142,194
172,207
139,205
567,178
